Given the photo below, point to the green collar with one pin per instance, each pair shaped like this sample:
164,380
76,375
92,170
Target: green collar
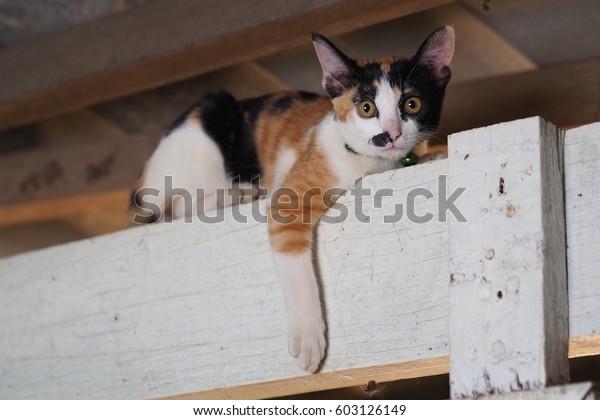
408,160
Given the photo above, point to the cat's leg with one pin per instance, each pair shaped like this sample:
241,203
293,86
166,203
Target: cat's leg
306,328
294,211
428,157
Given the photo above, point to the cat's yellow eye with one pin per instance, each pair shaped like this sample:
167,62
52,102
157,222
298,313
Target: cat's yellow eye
366,109
412,105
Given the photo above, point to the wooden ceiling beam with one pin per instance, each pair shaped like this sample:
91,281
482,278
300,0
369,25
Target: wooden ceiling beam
164,42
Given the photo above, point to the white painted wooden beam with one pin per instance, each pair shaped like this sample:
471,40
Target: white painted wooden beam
508,284
196,311
176,309
579,391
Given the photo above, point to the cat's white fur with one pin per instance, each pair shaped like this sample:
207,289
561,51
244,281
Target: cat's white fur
286,158
195,164
306,329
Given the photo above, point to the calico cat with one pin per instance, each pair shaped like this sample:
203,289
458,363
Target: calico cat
377,112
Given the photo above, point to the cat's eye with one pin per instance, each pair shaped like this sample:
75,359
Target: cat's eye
367,109
412,105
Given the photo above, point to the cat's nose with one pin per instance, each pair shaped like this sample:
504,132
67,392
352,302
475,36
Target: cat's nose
393,130
394,134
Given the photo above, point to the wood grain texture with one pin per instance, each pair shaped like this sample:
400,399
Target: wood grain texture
136,51
585,345
579,391
326,380
71,207
195,311
582,207
102,163
508,284
174,309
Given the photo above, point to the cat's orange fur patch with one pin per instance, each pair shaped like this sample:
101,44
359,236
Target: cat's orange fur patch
292,216
286,130
344,105
384,62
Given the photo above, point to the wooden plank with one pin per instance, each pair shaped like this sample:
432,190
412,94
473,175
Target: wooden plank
153,311
67,207
103,163
156,109
548,32
582,207
326,380
572,98
479,51
119,58
585,345
140,329
508,281
580,391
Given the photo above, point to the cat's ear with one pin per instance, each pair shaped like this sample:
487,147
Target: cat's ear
436,53
338,69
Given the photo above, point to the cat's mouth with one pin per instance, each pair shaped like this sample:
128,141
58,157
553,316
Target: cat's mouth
393,152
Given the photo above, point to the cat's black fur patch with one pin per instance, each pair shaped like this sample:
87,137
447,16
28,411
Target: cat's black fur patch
252,108
308,96
422,83
381,139
366,90
284,103
281,105
222,118
370,73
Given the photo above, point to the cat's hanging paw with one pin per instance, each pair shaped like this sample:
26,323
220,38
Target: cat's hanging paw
306,344
433,156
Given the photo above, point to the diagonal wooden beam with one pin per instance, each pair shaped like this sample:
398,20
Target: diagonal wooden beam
165,42
566,94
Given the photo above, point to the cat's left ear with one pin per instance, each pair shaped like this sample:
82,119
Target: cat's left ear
338,69
436,53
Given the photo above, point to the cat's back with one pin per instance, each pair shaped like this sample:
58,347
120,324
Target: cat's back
283,119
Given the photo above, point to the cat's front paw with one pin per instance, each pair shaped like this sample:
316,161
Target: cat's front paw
433,156
306,344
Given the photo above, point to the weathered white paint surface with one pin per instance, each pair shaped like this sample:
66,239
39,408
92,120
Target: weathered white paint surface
508,287
171,309
579,391
582,206
164,310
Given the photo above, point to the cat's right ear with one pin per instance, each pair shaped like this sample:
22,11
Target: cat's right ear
436,53
338,69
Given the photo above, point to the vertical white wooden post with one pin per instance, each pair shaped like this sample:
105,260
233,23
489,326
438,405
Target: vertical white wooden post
582,208
508,288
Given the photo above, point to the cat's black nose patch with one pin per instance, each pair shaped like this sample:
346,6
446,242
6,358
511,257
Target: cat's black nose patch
380,140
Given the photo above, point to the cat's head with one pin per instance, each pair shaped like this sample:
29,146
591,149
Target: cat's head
386,106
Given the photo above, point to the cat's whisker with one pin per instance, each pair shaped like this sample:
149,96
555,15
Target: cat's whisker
407,79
